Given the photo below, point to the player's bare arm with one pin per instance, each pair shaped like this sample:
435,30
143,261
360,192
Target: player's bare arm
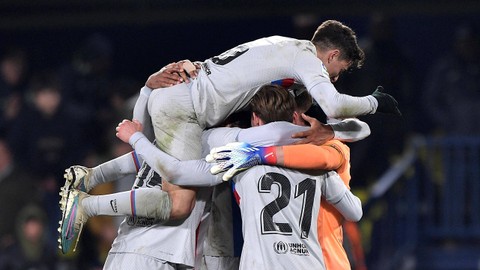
318,133
172,74
165,77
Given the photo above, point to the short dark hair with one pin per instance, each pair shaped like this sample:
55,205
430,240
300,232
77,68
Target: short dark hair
273,103
303,99
333,34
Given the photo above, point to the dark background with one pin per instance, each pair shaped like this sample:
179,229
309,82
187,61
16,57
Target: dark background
148,34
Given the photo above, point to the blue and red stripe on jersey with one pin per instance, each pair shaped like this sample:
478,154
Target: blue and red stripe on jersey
284,82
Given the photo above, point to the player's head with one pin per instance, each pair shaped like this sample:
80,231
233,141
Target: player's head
306,105
337,47
272,103
303,101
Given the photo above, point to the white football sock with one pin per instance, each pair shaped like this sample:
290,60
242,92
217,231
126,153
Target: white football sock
121,167
141,202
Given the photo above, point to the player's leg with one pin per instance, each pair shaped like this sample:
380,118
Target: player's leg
84,179
142,202
183,200
174,121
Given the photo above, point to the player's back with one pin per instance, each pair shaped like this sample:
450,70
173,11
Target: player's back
228,81
279,212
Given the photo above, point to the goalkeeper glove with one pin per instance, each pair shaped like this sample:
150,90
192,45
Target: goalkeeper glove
386,103
239,156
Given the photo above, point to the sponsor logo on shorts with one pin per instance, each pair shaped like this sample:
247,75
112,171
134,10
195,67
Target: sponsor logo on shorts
299,249
140,221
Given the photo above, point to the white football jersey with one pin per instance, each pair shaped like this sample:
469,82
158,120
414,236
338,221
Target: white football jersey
279,210
228,81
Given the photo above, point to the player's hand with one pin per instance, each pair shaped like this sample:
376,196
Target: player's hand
234,158
165,77
318,133
191,69
127,128
173,74
386,103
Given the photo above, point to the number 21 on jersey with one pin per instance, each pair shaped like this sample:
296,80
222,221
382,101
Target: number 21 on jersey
304,193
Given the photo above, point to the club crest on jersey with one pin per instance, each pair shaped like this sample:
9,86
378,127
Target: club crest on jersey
299,249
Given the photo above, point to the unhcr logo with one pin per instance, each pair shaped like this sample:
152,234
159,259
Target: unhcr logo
280,247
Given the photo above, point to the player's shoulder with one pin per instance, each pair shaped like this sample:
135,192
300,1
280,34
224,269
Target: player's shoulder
277,39
281,125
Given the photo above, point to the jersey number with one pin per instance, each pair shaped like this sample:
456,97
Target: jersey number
229,55
305,188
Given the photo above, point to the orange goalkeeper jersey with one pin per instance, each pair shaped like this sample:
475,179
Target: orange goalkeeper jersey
333,155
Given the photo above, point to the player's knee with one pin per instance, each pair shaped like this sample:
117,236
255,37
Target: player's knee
183,202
